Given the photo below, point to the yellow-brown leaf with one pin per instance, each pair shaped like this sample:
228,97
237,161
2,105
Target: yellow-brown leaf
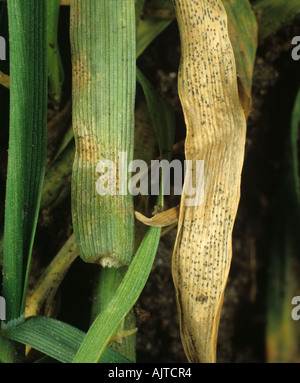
216,130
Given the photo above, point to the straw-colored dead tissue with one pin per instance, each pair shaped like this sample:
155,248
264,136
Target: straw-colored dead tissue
216,130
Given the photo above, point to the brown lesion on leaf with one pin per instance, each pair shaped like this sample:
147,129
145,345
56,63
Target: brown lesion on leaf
87,148
81,75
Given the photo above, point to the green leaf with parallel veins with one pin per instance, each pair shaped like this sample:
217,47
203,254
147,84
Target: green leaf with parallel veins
242,27
56,339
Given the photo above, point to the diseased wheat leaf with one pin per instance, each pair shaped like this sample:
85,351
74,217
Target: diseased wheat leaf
106,323
104,84
216,130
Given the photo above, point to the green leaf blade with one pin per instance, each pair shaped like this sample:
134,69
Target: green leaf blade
27,145
54,338
127,294
272,15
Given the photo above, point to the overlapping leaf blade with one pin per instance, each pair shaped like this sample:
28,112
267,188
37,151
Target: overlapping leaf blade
272,15
242,28
107,322
57,339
